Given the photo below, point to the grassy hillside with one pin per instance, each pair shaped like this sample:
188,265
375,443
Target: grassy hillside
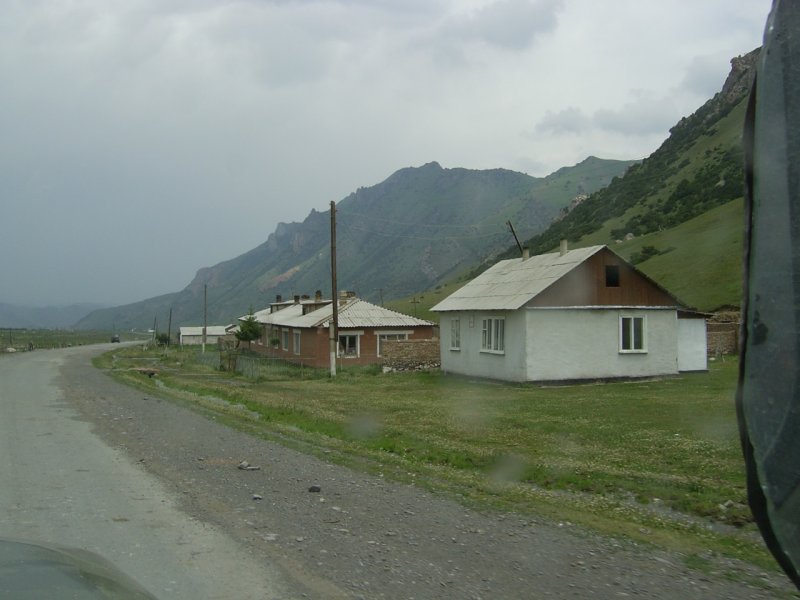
701,260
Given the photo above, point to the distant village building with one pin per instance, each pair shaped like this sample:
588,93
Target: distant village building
194,335
298,330
569,315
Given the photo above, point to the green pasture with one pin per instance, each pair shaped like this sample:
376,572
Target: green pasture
657,461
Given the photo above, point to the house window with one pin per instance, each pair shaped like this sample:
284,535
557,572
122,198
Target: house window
348,346
285,339
297,342
455,334
493,335
382,337
612,275
632,334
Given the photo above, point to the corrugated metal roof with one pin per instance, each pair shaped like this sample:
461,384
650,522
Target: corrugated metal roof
509,284
360,313
354,314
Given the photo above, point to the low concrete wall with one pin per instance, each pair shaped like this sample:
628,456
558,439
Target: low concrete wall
410,355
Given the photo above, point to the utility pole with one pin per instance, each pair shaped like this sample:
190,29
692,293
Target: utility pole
155,328
514,233
169,327
334,326
205,314
414,302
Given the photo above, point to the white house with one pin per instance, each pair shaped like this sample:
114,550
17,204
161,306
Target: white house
569,315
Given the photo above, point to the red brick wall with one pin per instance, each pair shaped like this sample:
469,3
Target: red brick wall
315,345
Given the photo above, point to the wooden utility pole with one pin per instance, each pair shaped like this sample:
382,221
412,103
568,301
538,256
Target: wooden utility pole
155,328
514,233
169,327
334,327
205,314
414,302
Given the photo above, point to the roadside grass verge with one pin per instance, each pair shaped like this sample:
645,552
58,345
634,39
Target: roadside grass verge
657,461
24,338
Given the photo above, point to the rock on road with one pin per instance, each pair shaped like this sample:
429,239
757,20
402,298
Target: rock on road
155,488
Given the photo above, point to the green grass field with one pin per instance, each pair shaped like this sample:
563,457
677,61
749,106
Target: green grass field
22,339
658,461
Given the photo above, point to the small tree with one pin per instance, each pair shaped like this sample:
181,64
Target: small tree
249,329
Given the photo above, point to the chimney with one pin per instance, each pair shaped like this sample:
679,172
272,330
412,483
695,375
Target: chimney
296,299
563,248
278,298
526,253
318,296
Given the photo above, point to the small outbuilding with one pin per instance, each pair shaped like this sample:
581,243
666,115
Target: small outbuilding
194,335
569,315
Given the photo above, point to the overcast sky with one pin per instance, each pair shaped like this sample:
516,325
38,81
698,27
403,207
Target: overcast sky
143,139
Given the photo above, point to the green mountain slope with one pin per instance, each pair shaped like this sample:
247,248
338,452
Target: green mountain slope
411,232
681,205
700,261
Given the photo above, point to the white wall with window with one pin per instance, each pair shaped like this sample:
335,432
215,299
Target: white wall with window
484,344
592,343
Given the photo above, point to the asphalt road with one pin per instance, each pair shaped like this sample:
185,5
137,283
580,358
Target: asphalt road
154,487
61,484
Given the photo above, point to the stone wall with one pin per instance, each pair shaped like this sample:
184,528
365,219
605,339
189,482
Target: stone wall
410,355
723,338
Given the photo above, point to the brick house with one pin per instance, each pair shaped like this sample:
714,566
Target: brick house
298,330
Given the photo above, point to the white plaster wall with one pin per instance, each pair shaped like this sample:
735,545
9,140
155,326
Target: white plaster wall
692,345
510,366
584,344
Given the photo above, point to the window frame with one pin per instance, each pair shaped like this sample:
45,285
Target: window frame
296,341
627,335
613,275
455,334
341,354
493,335
285,340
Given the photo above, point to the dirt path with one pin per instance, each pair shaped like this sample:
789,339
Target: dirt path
362,537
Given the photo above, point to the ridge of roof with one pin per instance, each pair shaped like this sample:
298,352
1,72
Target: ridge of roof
509,284
355,312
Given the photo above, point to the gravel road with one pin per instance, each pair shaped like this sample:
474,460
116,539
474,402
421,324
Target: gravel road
360,536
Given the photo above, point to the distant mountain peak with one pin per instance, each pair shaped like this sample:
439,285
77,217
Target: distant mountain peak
415,229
